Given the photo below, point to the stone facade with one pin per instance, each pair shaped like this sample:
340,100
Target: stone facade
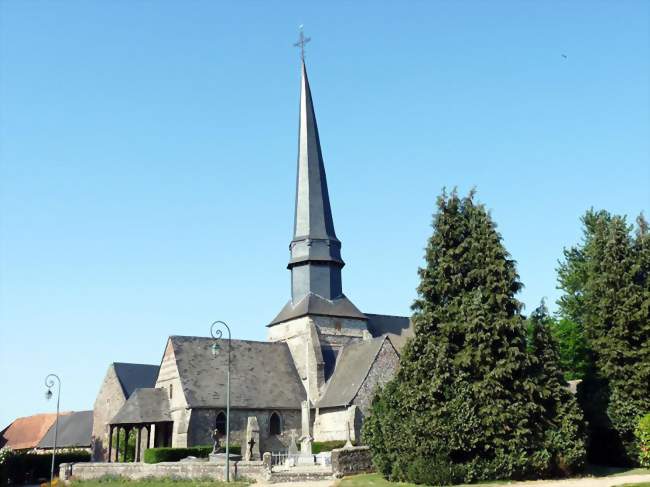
202,422
169,379
332,423
307,338
108,402
383,370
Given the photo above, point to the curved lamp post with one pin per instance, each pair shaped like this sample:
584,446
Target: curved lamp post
217,333
49,383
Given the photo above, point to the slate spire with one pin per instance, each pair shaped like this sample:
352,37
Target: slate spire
315,260
315,251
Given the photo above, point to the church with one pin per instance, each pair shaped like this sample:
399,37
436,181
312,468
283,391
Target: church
317,371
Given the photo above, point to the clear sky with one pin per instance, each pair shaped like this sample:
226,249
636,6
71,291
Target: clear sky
148,153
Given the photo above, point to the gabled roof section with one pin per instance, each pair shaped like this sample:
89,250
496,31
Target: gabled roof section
133,376
312,304
25,433
262,374
74,431
398,328
144,406
352,367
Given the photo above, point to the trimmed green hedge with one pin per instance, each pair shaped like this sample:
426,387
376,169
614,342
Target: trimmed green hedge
157,455
19,468
321,446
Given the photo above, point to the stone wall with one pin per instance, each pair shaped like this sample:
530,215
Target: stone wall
169,379
108,402
186,470
383,369
350,461
332,424
202,422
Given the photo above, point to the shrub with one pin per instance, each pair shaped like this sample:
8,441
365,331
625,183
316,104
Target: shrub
322,446
642,434
21,467
157,455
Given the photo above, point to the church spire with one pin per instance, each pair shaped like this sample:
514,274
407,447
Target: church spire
315,260
314,240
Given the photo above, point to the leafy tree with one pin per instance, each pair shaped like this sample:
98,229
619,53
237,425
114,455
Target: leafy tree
464,405
606,286
573,348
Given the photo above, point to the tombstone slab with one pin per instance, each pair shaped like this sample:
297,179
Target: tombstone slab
252,439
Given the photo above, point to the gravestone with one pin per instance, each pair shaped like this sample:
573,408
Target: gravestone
306,457
252,439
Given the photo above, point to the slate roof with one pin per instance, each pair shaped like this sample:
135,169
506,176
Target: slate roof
144,406
398,328
25,433
312,304
352,367
132,376
262,374
75,430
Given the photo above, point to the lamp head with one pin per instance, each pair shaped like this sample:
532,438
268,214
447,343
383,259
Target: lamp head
48,394
215,349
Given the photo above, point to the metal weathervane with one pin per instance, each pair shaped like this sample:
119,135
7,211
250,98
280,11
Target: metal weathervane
301,43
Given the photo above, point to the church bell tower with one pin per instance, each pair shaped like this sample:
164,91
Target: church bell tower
319,319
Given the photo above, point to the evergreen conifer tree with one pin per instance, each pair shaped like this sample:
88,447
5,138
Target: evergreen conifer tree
565,428
464,405
606,290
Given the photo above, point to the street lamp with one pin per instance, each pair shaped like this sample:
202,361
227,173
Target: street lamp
49,383
217,334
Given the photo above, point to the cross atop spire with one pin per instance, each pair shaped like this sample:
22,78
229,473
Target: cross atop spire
301,43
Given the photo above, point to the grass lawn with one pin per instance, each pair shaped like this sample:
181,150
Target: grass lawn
376,480
154,482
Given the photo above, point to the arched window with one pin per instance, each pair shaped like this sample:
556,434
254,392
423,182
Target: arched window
220,423
275,425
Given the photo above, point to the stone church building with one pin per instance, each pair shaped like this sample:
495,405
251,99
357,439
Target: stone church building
322,361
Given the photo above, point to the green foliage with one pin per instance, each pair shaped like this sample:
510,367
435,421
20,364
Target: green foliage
606,284
129,445
166,454
19,468
465,401
323,446
573,348
565,439
642,434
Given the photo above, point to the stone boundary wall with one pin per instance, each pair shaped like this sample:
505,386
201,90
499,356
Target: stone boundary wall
254,470
350,461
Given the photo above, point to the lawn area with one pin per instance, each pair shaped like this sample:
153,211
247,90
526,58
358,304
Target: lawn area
154,482
376,480
642,484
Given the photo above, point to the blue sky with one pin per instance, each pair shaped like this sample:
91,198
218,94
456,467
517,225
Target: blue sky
148,158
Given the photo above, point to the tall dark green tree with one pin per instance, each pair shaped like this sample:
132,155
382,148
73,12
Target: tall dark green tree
606,290
464,405
565,431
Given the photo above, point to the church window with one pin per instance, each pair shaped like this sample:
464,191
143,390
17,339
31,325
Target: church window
220,423
275,426
171,390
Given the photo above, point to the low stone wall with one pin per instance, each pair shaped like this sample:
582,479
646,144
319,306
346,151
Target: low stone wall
187,470
350,461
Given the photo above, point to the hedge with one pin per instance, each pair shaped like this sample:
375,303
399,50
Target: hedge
322,446
157,455
21,467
